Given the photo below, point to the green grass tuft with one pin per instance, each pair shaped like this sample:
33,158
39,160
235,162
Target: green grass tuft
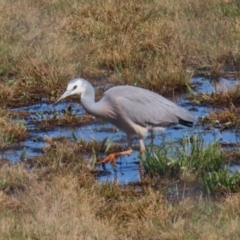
190,160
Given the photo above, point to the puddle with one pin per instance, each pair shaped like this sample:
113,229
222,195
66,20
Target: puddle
203,85
127,167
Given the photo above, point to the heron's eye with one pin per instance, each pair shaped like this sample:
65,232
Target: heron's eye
74,87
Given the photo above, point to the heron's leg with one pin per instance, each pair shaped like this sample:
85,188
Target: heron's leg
142,146
111,158
142,151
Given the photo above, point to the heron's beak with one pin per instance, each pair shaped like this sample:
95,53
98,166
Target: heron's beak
66,94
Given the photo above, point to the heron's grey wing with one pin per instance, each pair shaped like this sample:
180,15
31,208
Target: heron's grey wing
148,108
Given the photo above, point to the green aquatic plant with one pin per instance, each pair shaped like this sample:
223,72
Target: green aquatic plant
191,157
186,154
221,181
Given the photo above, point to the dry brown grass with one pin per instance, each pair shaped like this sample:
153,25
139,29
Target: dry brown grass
227,97
154,44
55,209
10,130
63,201
231,114
68,119
233,156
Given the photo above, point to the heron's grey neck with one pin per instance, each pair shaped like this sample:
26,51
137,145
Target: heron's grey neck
88,100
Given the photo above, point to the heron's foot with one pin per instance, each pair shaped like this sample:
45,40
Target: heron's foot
111,158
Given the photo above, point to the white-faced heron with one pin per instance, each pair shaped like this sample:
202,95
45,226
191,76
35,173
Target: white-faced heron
132,109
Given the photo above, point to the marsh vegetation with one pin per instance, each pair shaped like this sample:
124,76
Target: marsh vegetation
188,190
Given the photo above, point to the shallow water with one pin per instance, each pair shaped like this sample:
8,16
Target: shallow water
127,167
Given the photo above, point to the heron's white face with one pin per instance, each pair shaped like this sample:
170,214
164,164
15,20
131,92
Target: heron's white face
76,86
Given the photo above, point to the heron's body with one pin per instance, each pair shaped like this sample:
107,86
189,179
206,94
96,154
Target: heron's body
132,109
136,110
